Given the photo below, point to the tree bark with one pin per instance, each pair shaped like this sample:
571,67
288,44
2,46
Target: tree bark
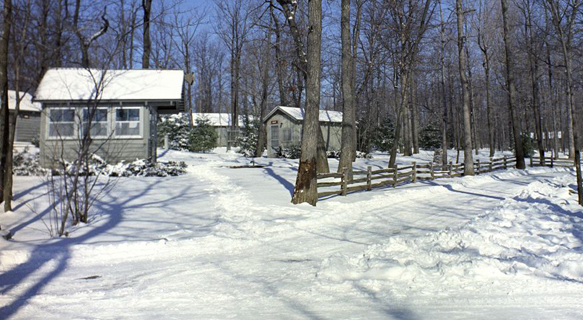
348,147
5,112
468,157
305,189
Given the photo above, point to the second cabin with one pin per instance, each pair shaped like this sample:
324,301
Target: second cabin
284,128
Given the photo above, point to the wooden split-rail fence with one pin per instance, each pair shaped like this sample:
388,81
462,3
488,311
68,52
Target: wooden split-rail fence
330,184
551,162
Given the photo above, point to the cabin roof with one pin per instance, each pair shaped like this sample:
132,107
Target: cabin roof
26,103
75,84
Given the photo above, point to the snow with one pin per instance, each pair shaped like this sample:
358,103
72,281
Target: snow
67,84
298,114
26,103
219,119
222,243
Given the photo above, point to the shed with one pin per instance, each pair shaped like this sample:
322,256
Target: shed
118,109
284,128
222,124
28,122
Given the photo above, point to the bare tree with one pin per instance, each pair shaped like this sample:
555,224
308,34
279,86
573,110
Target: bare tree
20,41
290,10
511,88
348,147
85,42
4,112
409,22
147,8
305,189
563,19
461,42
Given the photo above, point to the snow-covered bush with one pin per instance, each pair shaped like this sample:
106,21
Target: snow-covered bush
291,152
203,137
27,164
334,154
247,141
200,138
177,127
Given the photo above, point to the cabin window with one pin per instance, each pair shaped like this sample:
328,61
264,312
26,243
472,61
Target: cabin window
99,124
127,122
275,136
287,134
61,122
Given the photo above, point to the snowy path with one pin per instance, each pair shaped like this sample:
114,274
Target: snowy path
230,245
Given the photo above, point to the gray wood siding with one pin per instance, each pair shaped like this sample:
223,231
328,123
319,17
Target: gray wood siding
27,126
112,149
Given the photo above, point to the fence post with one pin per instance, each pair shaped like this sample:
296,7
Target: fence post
478,166
531,161
450,169
368,178
505,163
491,164
552,162
414,176
344,181
395,175
431,169
166,142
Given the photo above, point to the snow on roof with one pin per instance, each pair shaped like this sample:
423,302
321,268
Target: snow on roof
298,114
219,119
91,84
26,103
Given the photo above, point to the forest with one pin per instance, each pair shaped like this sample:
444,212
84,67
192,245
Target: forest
461,75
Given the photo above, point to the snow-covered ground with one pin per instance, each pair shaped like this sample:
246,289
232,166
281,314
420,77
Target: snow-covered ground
220,243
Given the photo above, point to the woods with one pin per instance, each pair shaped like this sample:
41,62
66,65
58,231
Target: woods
502,75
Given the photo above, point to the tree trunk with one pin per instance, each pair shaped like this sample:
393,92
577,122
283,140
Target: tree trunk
279,63
303,70
468,157
511,90
489,104
5,112
347,148
147,7
261,135
305,189
443,92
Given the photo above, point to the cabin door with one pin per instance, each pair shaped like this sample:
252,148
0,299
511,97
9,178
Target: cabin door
275,137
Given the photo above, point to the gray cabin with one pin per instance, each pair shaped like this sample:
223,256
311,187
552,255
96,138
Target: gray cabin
28,121
284,128
118,108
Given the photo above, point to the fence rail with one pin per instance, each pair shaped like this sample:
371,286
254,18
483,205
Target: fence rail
551,162
366,180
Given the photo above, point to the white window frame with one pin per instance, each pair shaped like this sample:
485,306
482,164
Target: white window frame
107,121
271,138
50,121
140,123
